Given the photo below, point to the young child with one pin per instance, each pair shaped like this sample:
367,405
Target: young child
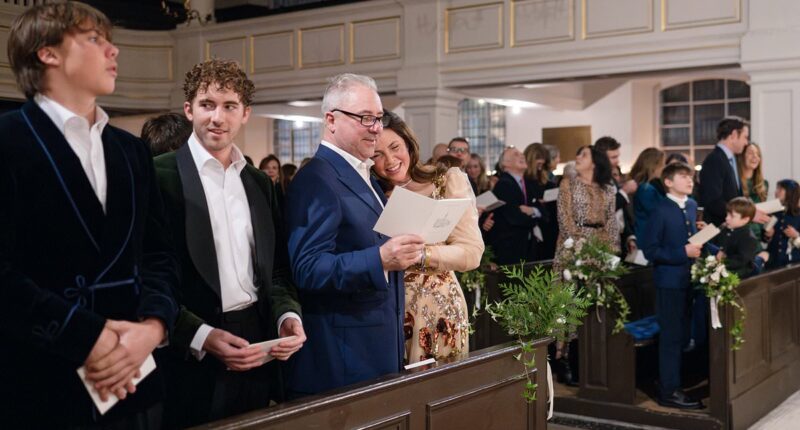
86,265
738,248
784,239
665,244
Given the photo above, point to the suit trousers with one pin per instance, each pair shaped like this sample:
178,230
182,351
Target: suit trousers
673,313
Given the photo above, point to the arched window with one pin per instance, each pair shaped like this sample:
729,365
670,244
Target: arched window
689,114
484,124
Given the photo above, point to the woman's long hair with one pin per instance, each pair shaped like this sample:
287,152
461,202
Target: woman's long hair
792,201
759,186
419,172
644,169
263,166
602,167
533,152
482,181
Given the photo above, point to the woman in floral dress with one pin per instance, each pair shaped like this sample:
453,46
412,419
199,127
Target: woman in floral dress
436,318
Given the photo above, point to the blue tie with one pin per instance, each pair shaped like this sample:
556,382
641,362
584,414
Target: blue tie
735,172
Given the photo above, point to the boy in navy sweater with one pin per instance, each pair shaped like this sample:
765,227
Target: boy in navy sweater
665,244
738,248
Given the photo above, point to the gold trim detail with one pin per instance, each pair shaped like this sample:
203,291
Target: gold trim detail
665,26
253,38
338,62
498,44
170,64
635,30
513,25
4,60
242,39
353,60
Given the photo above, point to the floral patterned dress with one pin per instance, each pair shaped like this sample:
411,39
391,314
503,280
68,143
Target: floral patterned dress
436,319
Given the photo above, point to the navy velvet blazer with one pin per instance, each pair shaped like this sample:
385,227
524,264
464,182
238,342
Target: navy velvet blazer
353,318
664,241
66,266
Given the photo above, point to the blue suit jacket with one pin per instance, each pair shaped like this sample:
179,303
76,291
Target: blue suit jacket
351,315
663,242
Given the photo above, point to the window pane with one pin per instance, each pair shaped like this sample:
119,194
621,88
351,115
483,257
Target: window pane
710,89
675,115
484,124
706,118
678,93
675,136
738,90
741,109
700,155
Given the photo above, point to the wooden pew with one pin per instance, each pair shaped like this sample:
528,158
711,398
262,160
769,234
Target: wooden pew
743,385
482,390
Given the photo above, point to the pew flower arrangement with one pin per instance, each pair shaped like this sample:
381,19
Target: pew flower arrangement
593,267
719,285
536,305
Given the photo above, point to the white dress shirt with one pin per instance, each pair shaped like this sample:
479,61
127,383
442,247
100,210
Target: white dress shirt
680,201
84,139
229,213
361,167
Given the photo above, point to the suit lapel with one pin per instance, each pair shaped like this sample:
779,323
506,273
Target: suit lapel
69,166
199,235
263,230
120,193
350,178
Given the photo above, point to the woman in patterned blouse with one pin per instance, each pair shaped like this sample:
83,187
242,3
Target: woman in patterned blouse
436,317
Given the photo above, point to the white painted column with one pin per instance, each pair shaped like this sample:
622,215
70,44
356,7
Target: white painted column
430,110
771,58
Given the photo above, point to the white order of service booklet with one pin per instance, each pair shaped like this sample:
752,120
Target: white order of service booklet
407,212
489,201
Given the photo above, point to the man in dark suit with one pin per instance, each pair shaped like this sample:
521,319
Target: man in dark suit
512,235
349,278
236,287
86,267
719,177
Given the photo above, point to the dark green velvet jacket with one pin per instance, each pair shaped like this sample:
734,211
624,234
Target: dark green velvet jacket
199,292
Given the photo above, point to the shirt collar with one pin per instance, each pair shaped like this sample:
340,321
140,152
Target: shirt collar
517,178
60,115
726,150
202,157
680,201
350,158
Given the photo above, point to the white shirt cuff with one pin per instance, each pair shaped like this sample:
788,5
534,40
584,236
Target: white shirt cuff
199,340
284,317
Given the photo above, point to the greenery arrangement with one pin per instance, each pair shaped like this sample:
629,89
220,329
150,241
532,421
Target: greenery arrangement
593,267
537,304
719,285
477,277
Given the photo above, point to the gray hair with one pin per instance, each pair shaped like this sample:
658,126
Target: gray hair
338,87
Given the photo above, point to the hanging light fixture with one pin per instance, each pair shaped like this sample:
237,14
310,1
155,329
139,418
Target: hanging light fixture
188,14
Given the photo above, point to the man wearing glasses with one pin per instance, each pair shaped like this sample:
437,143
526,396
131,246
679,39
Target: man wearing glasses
349,278
459,148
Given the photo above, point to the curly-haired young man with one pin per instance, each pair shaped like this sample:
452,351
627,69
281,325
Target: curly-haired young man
236,287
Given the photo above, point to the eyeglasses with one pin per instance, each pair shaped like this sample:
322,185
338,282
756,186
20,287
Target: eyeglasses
458,150
366,120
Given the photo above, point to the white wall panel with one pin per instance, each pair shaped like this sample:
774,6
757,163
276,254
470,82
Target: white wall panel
374,40
603,18
542,21
321,46
228,49
272,52
142,63
693,13
472,28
